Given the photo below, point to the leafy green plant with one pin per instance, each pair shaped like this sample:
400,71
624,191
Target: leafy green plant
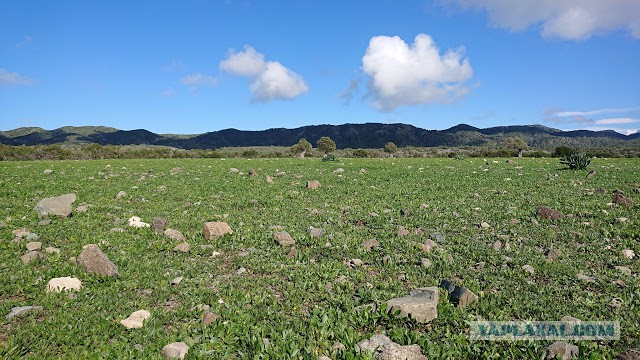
330,157
576,161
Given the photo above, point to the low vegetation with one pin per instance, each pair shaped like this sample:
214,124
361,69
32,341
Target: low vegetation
269,301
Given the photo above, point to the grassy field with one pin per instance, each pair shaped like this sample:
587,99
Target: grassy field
300,306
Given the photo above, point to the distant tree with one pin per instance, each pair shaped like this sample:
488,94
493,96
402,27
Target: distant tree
515,143
390,148
326,145
562,151
301,148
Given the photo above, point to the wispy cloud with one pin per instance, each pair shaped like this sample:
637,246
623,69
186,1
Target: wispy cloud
168,92
348,93
197,80
596,112
596,120
13,78
173,66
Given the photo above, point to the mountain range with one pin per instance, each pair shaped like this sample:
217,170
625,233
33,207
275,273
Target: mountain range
368,135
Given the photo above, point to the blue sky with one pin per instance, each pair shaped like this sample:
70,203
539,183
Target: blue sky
195,66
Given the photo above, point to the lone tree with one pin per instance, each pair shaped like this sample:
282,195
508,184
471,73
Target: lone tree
326,145
301,148
390,148
515,143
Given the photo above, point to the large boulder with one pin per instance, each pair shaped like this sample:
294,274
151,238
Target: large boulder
55,206
421,304
216,229
93,260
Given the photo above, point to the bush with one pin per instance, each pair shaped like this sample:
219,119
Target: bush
330,157
563,151
360,153
576,161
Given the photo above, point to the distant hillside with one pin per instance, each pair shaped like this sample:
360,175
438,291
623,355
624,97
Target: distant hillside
369,135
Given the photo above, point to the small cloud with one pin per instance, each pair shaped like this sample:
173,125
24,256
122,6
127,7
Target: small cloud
348,93
401,74
270,79
571,20
173,66
13,78
197,80
168,92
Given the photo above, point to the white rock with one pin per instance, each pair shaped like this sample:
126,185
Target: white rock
137,222
628,253
176,350
64,283
136,319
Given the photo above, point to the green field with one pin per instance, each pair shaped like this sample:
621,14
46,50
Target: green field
299,307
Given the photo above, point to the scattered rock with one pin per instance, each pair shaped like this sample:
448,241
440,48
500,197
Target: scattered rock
564,350
120,195
402,231
93,260
48,171
136,319
64,283
252,173
548,213
630,354
31,256
497,246
313,184
22,310
292,253
355,263
484,225
117,230
159,224
404,212
216,229
55,206
174,235
20,233
623,269
585,278
628,253
459,295
283,238
621,220
421,304
426,263
52,250
34,246
182,247
45,222
176,350
31,237
385,349
529,269
316,232
269,179
371,243
427,245
619,198
136,222
241,271
551,254
208,318
437,237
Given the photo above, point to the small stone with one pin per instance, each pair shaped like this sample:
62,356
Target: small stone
630,354
93,260
208,318
174,235
22,310
484,225
421,304
548,213
20,233
216,229
628,253
241,271
313,184
624,269
497,246
463,297
136,222
72,259
292,253
159,224
120,195
48,171
316,232
138,347
176,350
34,246
619,198
31,237
388,350
182,247
338,346
437,237
426,263
551,254
562,349
234,170
117,230
44,222
52,250
585,278
252,173
529,269
176,281
427,245
355,262
402,231
64,283
404,212
283,238
371,243
136,319
31,256
269,179
82,208
621,220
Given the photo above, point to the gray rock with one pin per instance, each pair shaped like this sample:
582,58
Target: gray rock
459,295
529,269
31,237
48,171
421,304
283,238
20,233
55,206
182,247
548,213
120,195
158,224
316,232
52,250
269,179
136,319
176,350
44,222
355,262
176,281
21,310
562,349
370,244
426,263
64,283
313,184
385,349
93,260
402,231
31,256
174,235
437,237
630,354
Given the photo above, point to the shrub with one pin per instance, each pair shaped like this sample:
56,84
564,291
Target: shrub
576,161
563,151
330,157
360,153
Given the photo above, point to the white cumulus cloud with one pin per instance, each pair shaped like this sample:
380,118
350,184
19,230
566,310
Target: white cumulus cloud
401,75
196,80
566,19
270,79
13,78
